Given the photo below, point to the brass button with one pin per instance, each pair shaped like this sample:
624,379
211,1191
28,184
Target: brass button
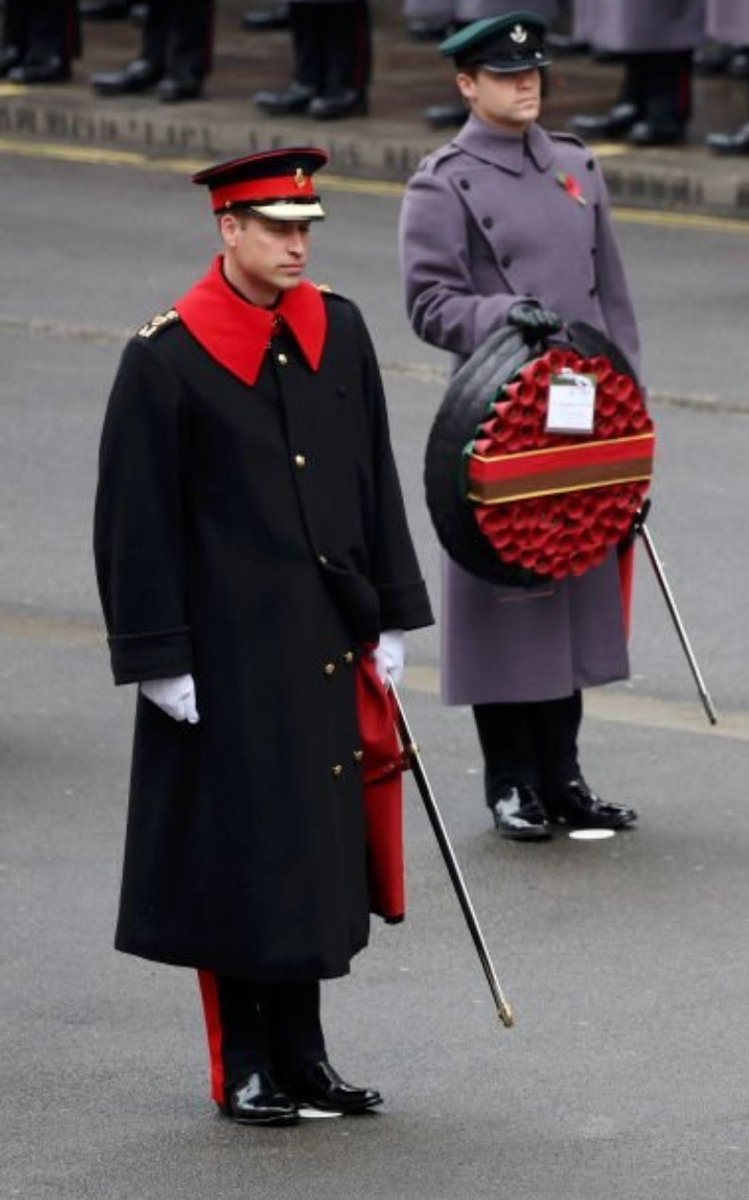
337,770
348,656
329,668
322,559
358,755
300,461
283,359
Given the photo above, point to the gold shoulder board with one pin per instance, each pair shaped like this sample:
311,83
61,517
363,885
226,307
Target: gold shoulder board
157,323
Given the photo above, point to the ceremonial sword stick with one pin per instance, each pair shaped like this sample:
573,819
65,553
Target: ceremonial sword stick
641,528
504,1012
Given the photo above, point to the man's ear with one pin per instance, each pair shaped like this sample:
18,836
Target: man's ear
466,85
228,227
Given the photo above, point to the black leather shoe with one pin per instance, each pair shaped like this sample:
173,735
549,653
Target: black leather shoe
445,116
259,20
664,132
259,1101
348,103
171,91
577,804
320,1086
103,10
730,143
296,98
138,76
423,30
53,69
738,64
613,124
519,815
9,57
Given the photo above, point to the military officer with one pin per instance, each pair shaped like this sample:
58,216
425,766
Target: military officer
728,22
508,223
656,42
256,574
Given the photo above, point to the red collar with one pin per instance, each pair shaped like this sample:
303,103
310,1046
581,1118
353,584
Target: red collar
237,334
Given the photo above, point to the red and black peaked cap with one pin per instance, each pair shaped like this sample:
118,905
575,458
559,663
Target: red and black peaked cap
275,184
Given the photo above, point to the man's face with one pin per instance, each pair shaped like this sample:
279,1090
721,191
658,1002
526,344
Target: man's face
511,101
264,257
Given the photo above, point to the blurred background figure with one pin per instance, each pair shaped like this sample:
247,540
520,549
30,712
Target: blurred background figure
332,47
40,38
175,55
728,23
432,19
656,43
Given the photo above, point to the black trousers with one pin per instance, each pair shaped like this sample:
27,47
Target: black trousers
178,37
659,85
533,744
332,45
42,28
253,1026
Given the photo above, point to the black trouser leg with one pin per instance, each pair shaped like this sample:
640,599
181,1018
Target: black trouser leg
155,33
669,86
295,1033
557,729
307,22
533,744
189,44
332,45
16,26
52,28
634,88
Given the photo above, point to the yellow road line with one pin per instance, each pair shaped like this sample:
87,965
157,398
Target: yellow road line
101,156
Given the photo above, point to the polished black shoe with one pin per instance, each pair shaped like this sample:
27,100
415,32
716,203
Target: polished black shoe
613,124
519,815
52,69
138,76
348,103
259,1101
738,64
730,143
171,91
664,132
103,10
445,116
260,20
10,57
421,29
318,1085
296,98
577,805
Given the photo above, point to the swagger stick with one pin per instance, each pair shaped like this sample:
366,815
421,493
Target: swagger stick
504,1012
641,528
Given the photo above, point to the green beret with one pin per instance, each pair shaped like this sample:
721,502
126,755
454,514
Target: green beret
514,42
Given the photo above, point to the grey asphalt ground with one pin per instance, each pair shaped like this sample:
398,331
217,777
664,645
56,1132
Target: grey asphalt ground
625,960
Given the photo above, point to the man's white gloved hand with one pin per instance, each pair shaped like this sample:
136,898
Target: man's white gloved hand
390,655
175,696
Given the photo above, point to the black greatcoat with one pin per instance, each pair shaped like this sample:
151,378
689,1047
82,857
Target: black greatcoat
256,537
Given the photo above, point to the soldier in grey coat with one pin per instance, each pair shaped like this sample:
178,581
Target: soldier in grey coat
657,42
728,22
490,234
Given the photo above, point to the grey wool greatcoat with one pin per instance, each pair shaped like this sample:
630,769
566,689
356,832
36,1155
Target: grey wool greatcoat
254,536
728,21
485,223
641,26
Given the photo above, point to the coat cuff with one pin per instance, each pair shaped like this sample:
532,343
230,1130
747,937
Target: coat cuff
404,605
162,655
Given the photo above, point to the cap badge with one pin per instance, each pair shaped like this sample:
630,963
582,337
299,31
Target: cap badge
518,34
300,179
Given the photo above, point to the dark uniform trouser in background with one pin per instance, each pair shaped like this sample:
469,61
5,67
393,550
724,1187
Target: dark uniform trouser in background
332,45
659,85
258,1025
533,744
48,27
178,38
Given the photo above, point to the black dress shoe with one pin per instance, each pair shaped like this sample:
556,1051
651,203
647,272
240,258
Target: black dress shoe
171,91
445,116
348,103
103,10
296,98
519,815
577,804
259,20
663,132
259,1101
613,124
738,64
730,143
10,56
138,76
424,30
319,1085
53,69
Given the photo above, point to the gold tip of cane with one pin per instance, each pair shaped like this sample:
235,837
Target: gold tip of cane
506,1016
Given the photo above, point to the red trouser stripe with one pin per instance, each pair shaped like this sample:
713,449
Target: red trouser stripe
214,1031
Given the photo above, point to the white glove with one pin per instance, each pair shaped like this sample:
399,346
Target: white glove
390,656
175,696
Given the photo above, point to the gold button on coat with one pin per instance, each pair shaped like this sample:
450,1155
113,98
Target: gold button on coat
283,359
358,755
337,770
323,560
348,656
300,460
329,668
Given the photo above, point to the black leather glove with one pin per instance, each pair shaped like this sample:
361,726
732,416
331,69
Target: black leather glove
534,322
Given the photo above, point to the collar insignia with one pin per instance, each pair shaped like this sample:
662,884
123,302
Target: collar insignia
518,34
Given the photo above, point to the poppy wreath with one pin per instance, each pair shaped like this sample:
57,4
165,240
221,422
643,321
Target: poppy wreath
545,505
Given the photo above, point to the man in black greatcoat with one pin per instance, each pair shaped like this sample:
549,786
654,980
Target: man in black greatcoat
256,574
